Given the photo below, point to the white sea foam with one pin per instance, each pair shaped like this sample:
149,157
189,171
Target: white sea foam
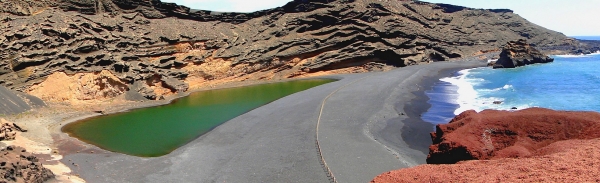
505,87
572,56
466,93
470,99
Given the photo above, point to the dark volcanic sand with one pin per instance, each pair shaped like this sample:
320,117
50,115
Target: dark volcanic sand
362,134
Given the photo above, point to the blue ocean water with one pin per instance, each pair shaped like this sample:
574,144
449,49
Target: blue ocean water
587,37
569,83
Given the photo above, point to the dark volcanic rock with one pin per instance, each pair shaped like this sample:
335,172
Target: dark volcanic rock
136,40
493,134
519,53
140,90
18,165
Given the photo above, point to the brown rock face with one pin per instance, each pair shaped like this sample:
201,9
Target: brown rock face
17,165
138,41
8,130
531,145
493,134
519,53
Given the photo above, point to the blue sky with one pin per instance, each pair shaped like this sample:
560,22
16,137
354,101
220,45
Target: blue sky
573,18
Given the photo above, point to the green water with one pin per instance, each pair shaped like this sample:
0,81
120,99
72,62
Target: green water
156,131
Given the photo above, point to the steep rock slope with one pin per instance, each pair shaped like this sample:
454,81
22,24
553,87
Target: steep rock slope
148,44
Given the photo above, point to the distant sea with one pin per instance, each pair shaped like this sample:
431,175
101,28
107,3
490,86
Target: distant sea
569,83
587,37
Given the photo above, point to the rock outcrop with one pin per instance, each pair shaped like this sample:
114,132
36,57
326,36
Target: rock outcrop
493,134
529,145
519,53
18,165
564,161
8,130
139,41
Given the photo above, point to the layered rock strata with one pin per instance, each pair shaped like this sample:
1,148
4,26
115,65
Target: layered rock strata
150,44
519,53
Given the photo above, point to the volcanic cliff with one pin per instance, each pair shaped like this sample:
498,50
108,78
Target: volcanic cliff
99,49
519,53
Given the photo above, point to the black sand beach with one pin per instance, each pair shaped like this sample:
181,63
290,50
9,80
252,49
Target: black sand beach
15,102
370,124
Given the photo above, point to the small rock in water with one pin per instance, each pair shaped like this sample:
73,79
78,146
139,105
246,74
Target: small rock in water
514,108
497,102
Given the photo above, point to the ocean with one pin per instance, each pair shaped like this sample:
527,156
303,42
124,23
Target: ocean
569,83
587,37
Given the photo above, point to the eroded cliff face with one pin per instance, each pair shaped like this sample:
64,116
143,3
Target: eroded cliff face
520,53
140,41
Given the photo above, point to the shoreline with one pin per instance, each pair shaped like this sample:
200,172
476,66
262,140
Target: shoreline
79,156
412,110
51,144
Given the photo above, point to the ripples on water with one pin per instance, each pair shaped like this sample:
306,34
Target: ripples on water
569,83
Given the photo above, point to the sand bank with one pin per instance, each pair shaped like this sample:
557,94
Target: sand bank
370,124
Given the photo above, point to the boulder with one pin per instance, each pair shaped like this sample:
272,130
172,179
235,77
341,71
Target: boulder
8,130
175,84
140,91
493,134
18,165
519,53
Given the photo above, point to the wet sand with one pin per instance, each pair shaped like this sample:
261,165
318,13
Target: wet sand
370,124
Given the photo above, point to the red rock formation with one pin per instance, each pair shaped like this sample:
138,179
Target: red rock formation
531,145
507,134
565,161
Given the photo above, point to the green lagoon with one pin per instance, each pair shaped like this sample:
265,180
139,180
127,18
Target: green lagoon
157,131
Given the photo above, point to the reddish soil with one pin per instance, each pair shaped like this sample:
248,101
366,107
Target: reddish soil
568,161
493,134
531,145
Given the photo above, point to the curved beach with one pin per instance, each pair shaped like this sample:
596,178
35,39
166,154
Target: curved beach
369,124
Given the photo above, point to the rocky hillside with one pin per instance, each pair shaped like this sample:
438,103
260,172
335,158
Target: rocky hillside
151,49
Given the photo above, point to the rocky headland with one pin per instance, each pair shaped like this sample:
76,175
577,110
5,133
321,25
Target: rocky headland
84,57
530,145
520,53
75,50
